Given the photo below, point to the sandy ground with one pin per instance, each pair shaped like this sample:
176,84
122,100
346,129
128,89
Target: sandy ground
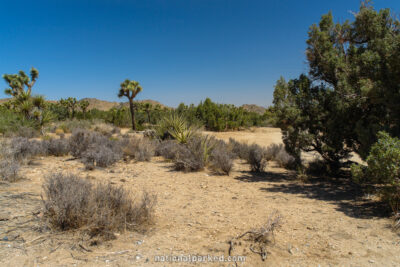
324,223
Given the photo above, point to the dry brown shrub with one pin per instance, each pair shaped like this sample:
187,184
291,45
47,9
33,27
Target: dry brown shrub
141,149
71,202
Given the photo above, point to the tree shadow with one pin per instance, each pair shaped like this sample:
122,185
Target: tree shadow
347,196
253,177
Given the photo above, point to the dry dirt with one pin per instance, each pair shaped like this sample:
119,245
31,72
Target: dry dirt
324,223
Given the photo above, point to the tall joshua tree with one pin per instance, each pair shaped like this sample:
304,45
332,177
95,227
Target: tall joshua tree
130,89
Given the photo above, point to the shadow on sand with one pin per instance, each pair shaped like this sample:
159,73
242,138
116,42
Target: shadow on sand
342,192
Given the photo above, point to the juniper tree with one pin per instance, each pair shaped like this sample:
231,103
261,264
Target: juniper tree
130,89
351,91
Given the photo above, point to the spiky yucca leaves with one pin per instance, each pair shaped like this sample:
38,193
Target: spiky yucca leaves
130,89
175,126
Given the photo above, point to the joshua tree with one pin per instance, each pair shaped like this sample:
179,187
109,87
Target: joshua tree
22,100
84,104
70,104
17,82
130,89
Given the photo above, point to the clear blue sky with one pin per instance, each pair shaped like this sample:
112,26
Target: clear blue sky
179,50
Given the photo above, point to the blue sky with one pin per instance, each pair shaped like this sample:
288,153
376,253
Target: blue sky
232,51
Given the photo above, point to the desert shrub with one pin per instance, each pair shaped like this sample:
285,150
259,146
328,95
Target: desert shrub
278,153
141,149
195,154
80,141
57,147
9,169
106,129
102,154
284,159
273,150
69,126
94,148
71,202
168,149
257,158
21,148
241,150
23,131
221,158
383,169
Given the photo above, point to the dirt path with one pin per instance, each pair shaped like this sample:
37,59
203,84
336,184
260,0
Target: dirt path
197,213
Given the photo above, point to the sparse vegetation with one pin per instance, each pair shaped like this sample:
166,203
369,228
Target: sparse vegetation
71,202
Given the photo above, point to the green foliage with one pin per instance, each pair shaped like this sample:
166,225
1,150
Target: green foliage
12,123
383,168
351,91
220,117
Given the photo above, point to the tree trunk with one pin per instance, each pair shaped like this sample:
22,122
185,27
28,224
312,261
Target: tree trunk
148,116
132,108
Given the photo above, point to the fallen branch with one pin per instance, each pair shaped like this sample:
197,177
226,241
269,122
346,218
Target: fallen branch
260,235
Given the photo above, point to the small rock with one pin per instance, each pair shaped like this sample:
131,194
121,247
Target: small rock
5,238
139,242
138,257
371,261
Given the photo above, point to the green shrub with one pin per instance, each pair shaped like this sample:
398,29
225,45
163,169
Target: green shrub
383,168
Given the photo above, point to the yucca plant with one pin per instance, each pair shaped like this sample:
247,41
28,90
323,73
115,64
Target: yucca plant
176,127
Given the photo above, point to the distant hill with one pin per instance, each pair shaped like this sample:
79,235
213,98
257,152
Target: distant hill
3,100
254,108
95,103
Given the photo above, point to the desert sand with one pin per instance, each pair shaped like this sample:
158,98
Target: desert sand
324,223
